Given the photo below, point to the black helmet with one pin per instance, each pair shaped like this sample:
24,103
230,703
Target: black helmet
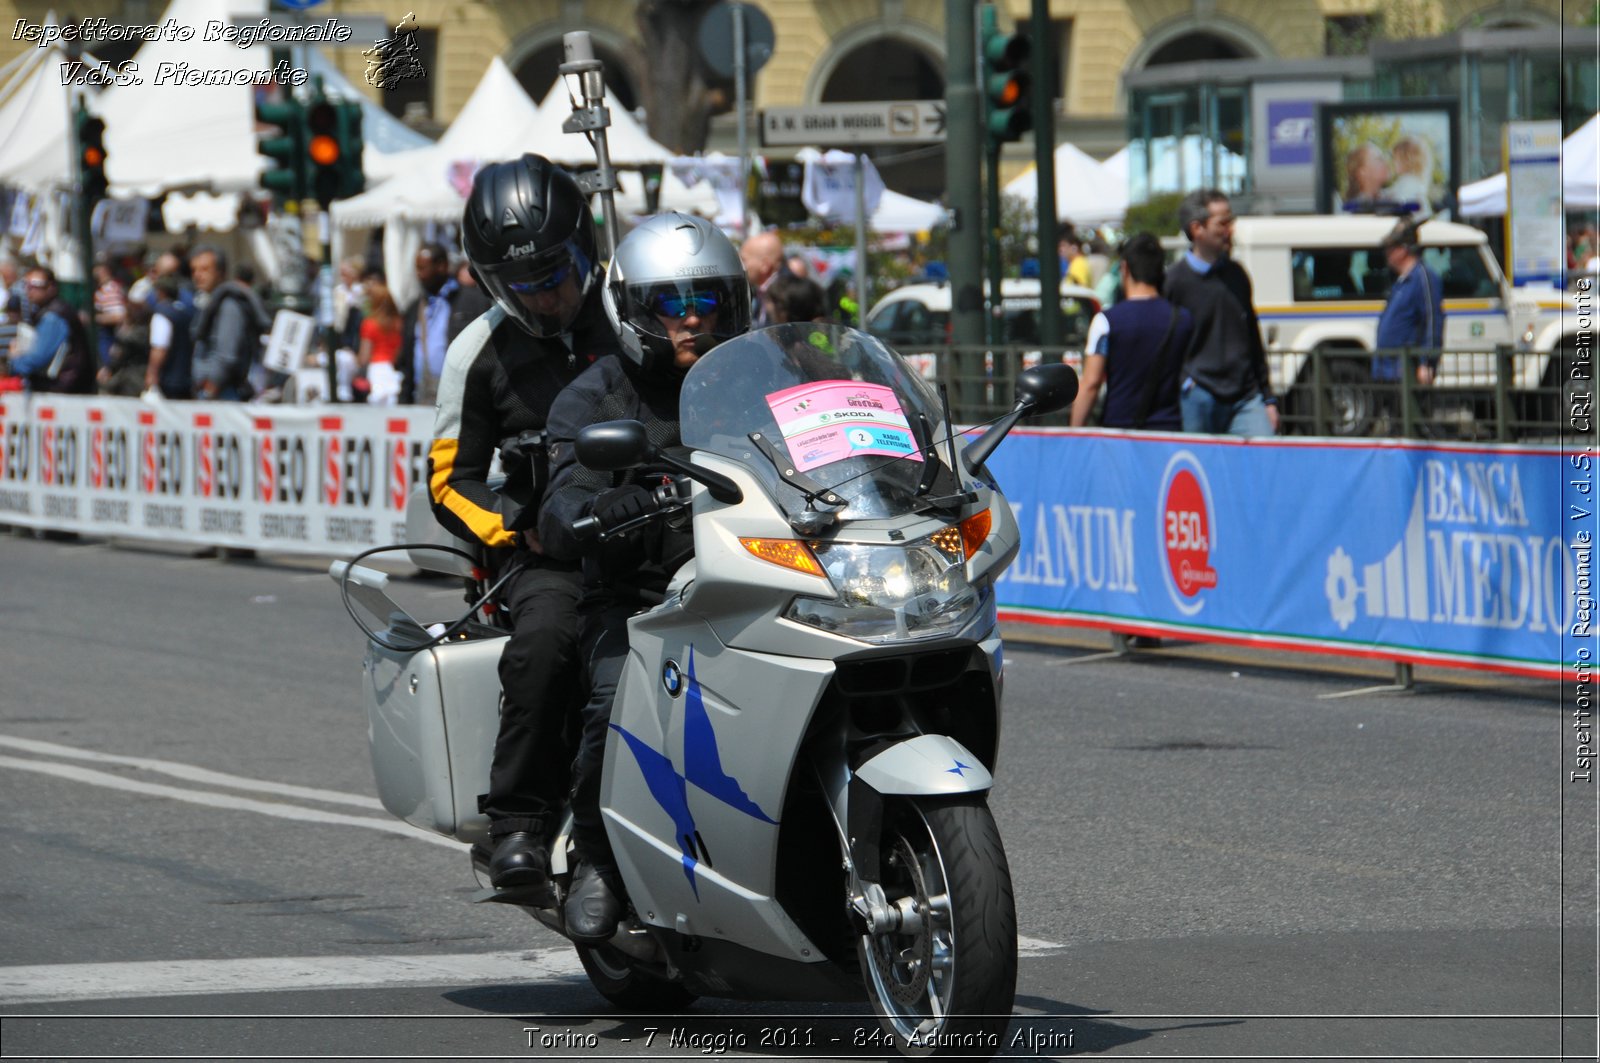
529,235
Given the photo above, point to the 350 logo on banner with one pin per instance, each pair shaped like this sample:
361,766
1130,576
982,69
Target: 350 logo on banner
1188,531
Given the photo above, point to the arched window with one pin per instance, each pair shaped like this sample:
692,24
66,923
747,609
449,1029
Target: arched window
538,72
1195,48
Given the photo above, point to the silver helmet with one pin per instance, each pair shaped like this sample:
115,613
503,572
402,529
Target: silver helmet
675,266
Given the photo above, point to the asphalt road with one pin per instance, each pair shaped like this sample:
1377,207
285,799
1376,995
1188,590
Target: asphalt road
1211,859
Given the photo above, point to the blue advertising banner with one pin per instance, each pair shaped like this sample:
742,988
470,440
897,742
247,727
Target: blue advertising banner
1476,556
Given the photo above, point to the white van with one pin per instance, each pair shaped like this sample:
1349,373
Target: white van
1321,282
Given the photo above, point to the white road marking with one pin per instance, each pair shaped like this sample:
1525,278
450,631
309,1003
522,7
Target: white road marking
1027,946
47,983
167,978
189,773
228,801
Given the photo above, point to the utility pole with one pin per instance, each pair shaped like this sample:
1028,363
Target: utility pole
963,160
1044,154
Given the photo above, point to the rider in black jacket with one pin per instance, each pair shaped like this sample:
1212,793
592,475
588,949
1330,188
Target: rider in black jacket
674,290
529,235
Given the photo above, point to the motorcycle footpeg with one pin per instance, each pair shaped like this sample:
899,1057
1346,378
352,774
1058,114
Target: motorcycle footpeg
543,896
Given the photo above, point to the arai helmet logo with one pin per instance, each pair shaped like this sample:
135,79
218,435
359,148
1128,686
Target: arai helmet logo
1188,532
523,250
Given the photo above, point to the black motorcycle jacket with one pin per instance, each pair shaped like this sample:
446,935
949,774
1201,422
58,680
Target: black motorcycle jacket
638,565
496,393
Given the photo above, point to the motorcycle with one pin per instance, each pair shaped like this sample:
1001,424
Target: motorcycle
806,731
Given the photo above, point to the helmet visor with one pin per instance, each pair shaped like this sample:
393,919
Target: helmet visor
545,293
717,307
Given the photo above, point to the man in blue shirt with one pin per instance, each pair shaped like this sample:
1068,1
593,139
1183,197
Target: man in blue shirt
1414,314
52,354
430,325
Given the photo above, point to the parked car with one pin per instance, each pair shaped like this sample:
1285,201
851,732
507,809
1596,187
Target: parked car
915,319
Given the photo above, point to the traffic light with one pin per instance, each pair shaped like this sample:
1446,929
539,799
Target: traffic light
333,147
1007,106
92,156
286,177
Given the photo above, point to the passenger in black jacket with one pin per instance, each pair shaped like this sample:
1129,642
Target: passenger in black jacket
1225,387
529,234
675,289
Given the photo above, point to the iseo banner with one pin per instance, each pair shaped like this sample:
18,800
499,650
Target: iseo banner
319,480
1462,555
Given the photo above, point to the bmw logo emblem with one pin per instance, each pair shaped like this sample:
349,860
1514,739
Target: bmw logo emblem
672,678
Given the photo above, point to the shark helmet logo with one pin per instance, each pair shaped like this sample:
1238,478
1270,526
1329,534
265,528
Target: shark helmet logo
1188,532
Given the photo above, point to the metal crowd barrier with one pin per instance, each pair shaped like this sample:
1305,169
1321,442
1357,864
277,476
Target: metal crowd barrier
1498,395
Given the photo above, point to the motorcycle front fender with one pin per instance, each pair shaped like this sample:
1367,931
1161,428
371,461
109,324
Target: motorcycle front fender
927,765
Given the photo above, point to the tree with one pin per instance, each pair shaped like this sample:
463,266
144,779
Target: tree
680,94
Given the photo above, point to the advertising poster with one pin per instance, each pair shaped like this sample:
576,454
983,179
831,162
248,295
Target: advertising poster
1533,189
1389,157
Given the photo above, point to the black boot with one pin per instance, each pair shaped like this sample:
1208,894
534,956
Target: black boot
592,907
520,860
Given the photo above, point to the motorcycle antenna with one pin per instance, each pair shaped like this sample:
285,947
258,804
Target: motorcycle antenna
591,117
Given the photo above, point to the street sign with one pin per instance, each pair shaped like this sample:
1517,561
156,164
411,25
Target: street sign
878,122
716,38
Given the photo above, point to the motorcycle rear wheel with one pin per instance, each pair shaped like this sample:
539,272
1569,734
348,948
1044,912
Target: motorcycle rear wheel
946,987
617,979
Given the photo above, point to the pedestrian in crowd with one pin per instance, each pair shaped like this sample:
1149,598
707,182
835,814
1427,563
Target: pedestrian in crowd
1074,263
110,306
1413,315
798,265
142,288
171,365
437,317
381,336
677,288
169,264
529,235
124,372
1108,289
1225,387
52,352
1136,347
11,299
762,255
227,329
797,298
349,296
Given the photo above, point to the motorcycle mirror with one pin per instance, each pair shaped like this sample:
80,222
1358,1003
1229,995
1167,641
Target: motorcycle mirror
613,446
1047,388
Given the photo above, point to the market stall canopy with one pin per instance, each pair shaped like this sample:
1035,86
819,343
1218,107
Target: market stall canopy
498,121
168,134
1086,192
1580,178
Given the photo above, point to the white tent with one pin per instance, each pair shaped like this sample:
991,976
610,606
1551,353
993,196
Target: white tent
899,213
497,122
1085,191
1580,178
163,134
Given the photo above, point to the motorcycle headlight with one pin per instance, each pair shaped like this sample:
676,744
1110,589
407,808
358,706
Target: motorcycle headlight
890,593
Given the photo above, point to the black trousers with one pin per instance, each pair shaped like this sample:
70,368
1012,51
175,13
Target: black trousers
603,633
541,677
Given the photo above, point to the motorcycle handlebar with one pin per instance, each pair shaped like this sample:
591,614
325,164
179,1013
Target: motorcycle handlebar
664,498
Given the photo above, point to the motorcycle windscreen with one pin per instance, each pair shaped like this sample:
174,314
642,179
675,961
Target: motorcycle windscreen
839,411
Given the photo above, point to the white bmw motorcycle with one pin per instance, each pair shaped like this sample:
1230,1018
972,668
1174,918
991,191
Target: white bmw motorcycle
804,737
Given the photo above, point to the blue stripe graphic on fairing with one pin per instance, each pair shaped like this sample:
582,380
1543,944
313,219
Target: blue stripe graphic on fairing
702,766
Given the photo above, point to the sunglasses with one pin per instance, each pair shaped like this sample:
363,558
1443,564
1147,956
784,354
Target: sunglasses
38,284
676,304
550,283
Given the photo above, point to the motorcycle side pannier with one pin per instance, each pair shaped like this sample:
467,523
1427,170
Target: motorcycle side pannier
432,718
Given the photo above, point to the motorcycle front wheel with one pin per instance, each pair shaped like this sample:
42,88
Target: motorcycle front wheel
617,979
945,985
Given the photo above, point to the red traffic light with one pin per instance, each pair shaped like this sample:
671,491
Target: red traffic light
324,150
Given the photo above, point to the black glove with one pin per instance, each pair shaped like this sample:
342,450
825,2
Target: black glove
621,504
